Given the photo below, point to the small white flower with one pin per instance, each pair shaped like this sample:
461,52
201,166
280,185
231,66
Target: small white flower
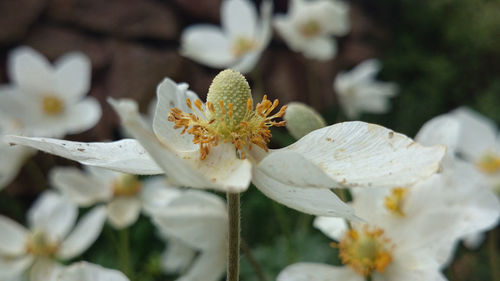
84,271
309,25
52,234
299,176
124,194
48,100
195,221
238,44
358,91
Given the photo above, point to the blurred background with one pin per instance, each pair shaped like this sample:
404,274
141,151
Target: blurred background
441,53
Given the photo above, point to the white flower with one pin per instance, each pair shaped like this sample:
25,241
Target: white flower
124,194
299,176
238,44
358,91
52,234
309,25
195,221
84,271
48,100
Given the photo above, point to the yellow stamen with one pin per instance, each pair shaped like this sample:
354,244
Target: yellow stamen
489,163
310,28
365,251
394,201
52,105
127,185
243,45
39,245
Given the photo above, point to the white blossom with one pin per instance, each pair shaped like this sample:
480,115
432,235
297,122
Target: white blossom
84,271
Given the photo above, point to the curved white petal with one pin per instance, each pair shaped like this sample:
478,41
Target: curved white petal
239,18
172,95
196,218
84,271
85,233
206,44
13,237
398,273
11,162
320,48
440,130
317,272
478,133
314,201
358,154
333,16
221,170
78,186
45,269
53,214
334,228
125,155
177,257
13,268
247,62
82,116
72,72
123,211
209,266
31,71
156,194
264,32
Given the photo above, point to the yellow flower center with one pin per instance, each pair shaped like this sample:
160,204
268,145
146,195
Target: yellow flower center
52,105
39,245
394,201
365,251
127,185
310,28
229,116
243,45
489,163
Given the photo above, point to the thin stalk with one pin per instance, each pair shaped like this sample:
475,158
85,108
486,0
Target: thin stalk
493,253
233,255
124,252
253,262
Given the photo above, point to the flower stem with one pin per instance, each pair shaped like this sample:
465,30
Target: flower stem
233,256
253,262
124,252
494,259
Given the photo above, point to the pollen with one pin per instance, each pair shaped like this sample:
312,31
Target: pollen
489,163
242,45
52,105
366,251
229,116
394,201
310,28
126,185
39,245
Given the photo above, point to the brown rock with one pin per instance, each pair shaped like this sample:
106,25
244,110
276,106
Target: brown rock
124,18
16,16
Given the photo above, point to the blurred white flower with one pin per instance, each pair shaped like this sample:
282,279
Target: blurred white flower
299,176
84,271
52,235
358,90
238,44
124,194
48,100
194,222
309,25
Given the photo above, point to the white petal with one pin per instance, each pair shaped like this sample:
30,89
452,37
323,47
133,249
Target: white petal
206,44
83,271
333,16
196,218
320,48
13,237
78,186
85,233
123,211
221,170
16,105
53,214
31,71
209,266
157,194
440,130
73,72
82,116
314,201
126,155
247,62
478,133
171,95
239,18
177,257
45,269
334,228
264,32
398,273
11,162
317,272
13,268
357,154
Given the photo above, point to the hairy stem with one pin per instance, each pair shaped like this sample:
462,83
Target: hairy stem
233,256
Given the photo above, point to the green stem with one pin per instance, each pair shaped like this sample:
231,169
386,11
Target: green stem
493,253
233,256
253,262
124,252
